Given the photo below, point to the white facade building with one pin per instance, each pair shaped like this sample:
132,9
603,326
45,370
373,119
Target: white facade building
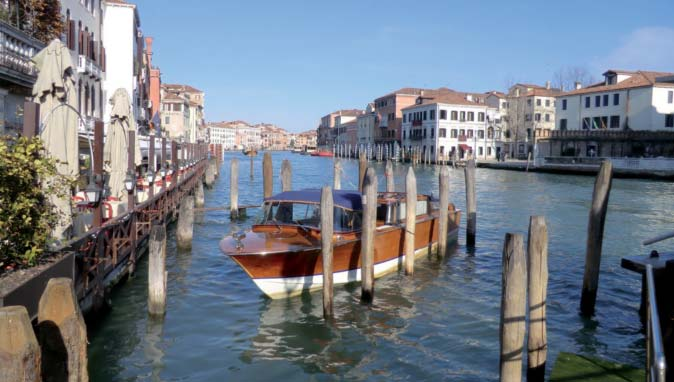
82,35
366,126
219,133
124,58
449,123
625,100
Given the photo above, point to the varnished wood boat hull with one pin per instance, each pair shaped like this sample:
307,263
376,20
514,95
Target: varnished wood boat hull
286,274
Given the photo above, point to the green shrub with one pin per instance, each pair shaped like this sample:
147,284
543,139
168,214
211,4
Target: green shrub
26,217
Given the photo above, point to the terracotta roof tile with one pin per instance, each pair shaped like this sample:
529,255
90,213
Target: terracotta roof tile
637,80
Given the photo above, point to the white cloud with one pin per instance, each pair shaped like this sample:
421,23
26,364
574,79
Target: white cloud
648,48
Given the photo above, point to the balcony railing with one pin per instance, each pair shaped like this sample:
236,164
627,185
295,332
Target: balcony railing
416,122
16,50
86,66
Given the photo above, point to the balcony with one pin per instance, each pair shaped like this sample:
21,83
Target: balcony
416,122
16,50
87,66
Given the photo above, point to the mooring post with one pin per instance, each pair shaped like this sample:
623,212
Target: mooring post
444,211
63,333
367,236
267,175
537,264
513,308
390,184
185,228
337,174
157,275
471,202
595,237
286,175
19,350
362,166
234,190
199,195
97,218
528,160
251,165
327,214
410,219
151,165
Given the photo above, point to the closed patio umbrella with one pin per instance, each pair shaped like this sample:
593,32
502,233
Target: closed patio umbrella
115,151
54,90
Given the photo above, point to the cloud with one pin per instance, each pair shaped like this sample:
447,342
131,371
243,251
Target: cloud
648,48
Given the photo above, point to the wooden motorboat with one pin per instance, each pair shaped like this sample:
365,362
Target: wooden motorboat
282,252
249,151
321,153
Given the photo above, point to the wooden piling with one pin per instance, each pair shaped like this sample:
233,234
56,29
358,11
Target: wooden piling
19,350
185,228
327,214
199,195
537,264
390,183
362,166
513,308
251,166
595,237
62,333
286,175
444,211
410,219
267,175
157,275
471,202
234,190
367,236
528,161
97,215
337,174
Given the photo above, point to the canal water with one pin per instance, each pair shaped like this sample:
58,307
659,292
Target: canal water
440,324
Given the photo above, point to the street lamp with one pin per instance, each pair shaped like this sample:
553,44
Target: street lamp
130,182
93,193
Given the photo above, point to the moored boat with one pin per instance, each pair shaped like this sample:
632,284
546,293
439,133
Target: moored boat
282,252
249,151
321,153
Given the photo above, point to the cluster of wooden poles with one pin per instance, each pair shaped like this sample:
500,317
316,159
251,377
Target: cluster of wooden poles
381,152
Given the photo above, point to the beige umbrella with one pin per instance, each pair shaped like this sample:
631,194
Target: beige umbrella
54,90
115,153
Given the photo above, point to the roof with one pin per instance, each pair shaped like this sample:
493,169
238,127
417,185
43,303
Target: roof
637,79
184,88
452,98
496,93
171,97
417,91
350,200
349,112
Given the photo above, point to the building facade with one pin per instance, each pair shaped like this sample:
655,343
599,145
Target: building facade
221,133
447,126
367,133
326,132
528,108
182,112
83,36
154,86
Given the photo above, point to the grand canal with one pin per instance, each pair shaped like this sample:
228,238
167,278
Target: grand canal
442,323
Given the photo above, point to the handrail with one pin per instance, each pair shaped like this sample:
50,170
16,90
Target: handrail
656,364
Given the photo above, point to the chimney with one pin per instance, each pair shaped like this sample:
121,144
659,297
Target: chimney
469,97
577,85
547,85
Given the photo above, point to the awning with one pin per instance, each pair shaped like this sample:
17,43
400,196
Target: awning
465,147
350,200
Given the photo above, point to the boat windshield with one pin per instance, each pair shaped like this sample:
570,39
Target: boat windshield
308,215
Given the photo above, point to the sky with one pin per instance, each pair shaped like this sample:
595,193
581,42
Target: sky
291,62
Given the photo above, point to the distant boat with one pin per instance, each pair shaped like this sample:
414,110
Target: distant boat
282,252
321,153
249,151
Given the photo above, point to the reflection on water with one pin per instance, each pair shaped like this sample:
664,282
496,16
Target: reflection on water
441,323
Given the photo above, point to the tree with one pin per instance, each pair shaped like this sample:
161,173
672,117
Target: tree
565,78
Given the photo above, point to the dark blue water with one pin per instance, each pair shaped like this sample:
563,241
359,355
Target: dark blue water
440,324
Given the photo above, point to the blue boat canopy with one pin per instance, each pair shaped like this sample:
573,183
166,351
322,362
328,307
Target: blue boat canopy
350,200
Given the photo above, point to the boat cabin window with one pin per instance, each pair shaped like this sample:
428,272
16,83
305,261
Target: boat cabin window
308,215
422,209
387,213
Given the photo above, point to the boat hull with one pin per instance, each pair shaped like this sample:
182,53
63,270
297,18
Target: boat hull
287,274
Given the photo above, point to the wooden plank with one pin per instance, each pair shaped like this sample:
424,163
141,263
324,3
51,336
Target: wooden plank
537,262
410,219
595,237
368,235
513,308
327,213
